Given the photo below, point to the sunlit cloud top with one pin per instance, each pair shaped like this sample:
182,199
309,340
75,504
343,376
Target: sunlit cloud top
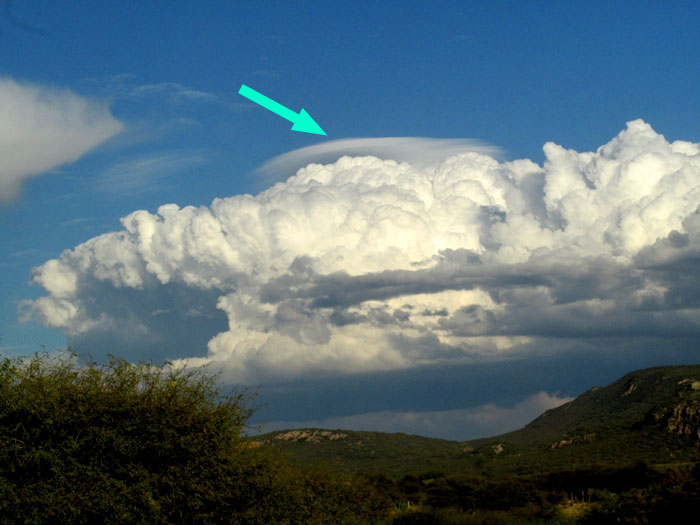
367,264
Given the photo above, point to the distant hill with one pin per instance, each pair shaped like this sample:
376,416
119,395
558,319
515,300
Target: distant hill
650,415
393,454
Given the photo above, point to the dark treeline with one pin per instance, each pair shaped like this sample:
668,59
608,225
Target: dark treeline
633,494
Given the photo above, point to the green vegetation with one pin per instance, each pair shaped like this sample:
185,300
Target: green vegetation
634,494
357,452
124,443
650,415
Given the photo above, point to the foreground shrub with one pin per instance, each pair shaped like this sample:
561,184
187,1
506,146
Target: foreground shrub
125,443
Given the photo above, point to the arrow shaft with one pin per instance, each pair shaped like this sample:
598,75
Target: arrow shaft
268,103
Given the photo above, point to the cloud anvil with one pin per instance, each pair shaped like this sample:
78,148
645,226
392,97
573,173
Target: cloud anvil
368,264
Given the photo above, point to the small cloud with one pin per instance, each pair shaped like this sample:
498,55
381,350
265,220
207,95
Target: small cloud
78,220
145,173
122,77
27,253
42,128
172,91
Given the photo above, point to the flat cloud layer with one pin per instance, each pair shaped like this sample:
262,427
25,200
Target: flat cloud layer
41,128
370,265
420,152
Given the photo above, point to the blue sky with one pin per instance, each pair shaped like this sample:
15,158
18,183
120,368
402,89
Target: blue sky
150,91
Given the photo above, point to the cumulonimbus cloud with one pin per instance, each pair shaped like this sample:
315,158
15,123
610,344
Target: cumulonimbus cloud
41,128
368,264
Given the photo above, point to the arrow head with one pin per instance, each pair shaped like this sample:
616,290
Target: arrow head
305,123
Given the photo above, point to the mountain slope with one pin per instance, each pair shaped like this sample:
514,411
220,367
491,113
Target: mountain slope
650,415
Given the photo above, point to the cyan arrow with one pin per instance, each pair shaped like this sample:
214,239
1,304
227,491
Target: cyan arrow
302,120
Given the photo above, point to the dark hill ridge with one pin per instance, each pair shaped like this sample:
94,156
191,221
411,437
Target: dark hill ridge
651,415
393,454
627,401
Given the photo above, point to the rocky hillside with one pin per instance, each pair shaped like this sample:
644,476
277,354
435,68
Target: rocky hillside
391,454
651,415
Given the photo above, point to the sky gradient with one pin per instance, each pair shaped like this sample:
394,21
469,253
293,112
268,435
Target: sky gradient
504,211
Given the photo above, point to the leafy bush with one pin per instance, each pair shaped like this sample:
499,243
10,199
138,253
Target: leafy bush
143,444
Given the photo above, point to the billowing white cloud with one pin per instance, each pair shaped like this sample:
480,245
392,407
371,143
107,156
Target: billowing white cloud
41,128
369,264
458,425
